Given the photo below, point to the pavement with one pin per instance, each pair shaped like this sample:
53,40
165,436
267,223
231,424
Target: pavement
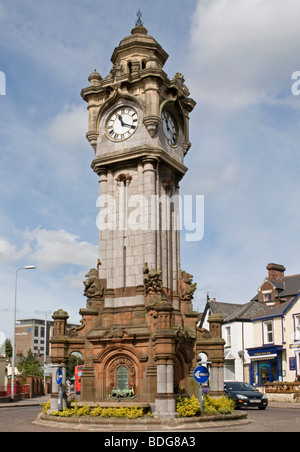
36,401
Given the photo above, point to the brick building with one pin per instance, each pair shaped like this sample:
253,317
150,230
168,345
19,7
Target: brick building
277,288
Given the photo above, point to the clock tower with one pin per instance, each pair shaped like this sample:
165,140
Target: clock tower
139,129
138,338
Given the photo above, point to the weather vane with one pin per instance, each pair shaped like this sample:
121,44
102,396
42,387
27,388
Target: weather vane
139,20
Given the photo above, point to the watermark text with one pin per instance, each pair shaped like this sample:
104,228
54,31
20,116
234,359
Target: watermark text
2,84
154,213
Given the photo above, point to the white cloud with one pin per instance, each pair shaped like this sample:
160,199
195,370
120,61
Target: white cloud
244,52
69,127
9,252
53,248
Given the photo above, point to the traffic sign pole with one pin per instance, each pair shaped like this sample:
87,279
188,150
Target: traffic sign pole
201,375
59,382
201,397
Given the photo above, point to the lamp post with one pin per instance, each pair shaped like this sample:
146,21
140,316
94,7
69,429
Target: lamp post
12,395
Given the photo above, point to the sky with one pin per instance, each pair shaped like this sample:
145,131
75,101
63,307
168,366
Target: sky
238,58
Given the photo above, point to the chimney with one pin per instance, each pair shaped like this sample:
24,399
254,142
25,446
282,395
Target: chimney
276,271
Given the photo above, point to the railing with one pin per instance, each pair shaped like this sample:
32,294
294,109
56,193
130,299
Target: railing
282,388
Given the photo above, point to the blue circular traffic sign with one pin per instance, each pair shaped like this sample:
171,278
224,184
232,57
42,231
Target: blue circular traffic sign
201,374
59,376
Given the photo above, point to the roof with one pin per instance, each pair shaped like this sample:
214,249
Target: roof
223,309
288,286
235,312
279,311
248,311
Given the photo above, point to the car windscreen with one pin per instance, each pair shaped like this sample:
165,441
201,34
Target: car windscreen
236,386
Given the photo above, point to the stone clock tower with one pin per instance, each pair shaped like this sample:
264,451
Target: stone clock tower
138,337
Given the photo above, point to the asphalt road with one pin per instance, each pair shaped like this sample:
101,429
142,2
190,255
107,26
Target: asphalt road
274,419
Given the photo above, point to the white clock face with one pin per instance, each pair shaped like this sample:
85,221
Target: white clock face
169,127
122,123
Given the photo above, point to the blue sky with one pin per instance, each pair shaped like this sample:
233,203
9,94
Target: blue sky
237,56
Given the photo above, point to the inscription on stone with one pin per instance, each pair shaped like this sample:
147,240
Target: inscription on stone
122,378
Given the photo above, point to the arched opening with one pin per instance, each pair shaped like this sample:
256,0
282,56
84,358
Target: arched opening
74,370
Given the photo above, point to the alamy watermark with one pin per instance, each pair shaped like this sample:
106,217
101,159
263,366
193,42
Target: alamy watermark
296,85
2,84
154,213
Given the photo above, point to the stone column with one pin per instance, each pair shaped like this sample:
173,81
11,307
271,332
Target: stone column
59,356
150,223
164,345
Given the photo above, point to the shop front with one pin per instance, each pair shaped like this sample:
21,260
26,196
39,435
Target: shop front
266,365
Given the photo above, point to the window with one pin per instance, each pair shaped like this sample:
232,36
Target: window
297,328
228,337
267,296
268,332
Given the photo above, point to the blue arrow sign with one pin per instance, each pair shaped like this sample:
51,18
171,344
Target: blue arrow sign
59,376
201,375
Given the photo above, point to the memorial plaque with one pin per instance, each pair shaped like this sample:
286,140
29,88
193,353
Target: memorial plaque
122,378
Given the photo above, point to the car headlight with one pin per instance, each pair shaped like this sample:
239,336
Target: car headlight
264,397
242,397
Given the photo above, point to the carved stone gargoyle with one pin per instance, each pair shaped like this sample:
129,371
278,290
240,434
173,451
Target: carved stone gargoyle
186,287
152,281
93,287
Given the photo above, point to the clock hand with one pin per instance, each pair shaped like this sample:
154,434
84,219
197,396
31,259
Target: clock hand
167,124
128,125
123,124
121,120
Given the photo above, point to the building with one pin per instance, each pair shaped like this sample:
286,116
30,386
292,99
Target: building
275,355
237,330
139,338
277,288
31,334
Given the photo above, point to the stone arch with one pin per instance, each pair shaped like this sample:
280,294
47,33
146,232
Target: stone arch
108,363
114,370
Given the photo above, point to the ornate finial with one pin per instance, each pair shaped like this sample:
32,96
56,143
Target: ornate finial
139,20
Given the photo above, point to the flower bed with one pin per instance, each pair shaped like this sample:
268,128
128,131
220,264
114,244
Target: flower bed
186,408
190,407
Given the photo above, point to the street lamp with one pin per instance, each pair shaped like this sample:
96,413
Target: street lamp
12,395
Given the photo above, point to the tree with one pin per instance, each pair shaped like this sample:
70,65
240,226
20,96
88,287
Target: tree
8,348
30,365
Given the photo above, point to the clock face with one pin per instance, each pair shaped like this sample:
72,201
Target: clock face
122,123
169,127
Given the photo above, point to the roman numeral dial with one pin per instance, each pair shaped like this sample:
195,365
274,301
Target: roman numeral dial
122,124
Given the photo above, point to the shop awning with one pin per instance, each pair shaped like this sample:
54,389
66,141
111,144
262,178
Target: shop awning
263,357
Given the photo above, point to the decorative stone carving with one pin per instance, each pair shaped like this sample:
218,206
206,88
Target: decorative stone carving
186,288
152,281
184,335
124,392
151,123
93,287
116,332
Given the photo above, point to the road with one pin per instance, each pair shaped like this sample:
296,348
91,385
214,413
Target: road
20,419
